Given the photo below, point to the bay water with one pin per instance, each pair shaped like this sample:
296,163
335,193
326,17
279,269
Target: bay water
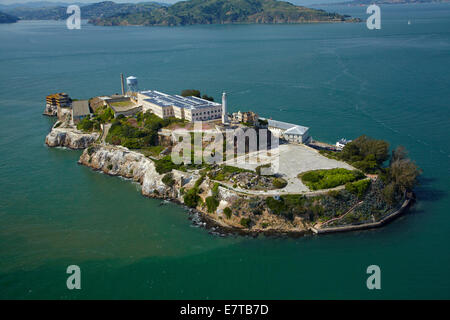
341,80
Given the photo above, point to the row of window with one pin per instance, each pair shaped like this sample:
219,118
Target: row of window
213,112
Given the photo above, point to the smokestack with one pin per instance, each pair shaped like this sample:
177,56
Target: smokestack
224,109
123,84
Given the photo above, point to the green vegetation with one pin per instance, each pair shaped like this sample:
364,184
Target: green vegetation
168,180
221,12
279,183
358,188
92,11
195,93
138,133
276,206
245,222
211,203
401,175
263,122
227,212
225,173
165,165
152,151
88,125
191,93
326,179
191,198
365,153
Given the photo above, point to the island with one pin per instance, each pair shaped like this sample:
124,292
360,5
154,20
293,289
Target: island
7,18
108,13
316,188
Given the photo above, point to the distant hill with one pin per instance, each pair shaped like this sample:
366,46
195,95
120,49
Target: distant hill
108,13
7,18
367,2
223,12
90,11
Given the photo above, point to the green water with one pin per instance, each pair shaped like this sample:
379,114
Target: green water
342,80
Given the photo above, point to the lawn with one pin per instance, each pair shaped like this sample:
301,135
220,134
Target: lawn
330,178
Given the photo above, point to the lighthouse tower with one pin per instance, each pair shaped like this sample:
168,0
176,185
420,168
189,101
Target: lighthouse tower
224,109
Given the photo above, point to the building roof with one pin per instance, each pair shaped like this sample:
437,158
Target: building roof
166,100
80,108
283,125
297,130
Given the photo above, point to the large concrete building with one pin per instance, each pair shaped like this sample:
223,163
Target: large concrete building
189,108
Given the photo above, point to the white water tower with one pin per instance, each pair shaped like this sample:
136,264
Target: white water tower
132,84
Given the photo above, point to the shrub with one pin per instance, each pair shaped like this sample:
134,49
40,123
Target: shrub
165,165
85,125
168,180
279,183
227,212
277,206
359,188
245,222
190,92
110,166
326,179
191,198
212,203
215,189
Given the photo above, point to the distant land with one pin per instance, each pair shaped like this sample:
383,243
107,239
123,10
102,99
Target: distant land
368,2
6,18
109,13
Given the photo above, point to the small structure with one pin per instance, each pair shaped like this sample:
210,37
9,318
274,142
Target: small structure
132,84
288,131
248,117
342,143
80,110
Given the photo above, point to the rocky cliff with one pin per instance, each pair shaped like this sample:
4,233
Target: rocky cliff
119,161
70,137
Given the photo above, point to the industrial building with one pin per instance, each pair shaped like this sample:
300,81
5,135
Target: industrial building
58,100
80,109
288,131
189,108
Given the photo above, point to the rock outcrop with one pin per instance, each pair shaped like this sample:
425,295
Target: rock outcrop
70,138
50,110
119,161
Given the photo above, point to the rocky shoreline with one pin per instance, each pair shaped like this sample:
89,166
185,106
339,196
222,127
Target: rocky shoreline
120,161
70,137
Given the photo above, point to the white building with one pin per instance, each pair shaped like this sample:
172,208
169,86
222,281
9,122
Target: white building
290,132
189,108
342,143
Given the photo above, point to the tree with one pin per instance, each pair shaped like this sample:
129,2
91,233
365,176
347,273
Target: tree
191,92
398,153
206,97
403,173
